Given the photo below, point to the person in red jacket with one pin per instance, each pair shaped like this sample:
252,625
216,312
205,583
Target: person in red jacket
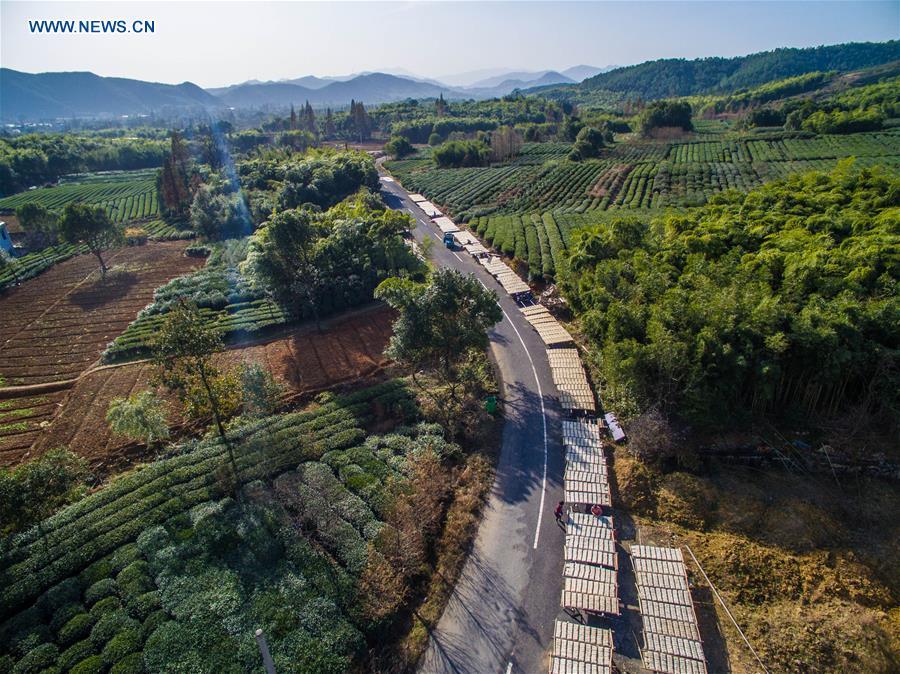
596,510
559,511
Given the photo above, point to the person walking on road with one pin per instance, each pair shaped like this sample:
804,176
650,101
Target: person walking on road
558,513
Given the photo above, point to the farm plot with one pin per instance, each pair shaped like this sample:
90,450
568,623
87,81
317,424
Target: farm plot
30,265
126,196
89,568
22,420
63,319
306,360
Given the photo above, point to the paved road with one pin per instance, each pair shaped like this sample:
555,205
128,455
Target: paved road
500,617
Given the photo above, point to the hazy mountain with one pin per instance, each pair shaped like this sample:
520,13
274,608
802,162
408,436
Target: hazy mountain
507,86
582,72
497,80
371,88
83,94
309,81
470,78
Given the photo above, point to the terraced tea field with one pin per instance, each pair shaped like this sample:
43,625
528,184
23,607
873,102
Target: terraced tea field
88,568
638,174
126,195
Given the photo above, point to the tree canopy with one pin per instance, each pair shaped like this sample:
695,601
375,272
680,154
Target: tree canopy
785,297
90,225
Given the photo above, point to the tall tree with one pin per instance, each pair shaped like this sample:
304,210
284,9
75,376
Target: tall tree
330,127
173,181
89,225
40,224
183,351
440,106
440,323
309,120
293,118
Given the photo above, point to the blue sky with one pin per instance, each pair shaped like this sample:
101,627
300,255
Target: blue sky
218,43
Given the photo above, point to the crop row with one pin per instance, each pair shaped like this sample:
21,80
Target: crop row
124,200
115,595
38,559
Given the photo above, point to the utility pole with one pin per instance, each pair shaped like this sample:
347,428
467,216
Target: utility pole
264,651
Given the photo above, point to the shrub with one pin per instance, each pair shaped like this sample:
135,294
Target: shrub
398,146
141,606
91,665
64,615
75,654
34,490
460,153
36,660
59,595
197,250
100,590
435,139
123,644
77,628
153,540
130,664
110,625
134,579
104,606
153,621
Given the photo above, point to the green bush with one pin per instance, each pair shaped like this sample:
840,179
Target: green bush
91,665
34,661
59,595
100,590
75,654
141,606
110,625
104,606
153,621
64,615
123,644
134,579
130,664
77,628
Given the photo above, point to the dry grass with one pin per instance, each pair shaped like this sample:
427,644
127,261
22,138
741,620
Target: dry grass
809,569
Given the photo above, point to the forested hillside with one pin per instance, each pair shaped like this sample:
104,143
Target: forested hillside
681,77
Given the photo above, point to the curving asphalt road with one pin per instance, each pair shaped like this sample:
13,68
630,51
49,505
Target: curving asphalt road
500,617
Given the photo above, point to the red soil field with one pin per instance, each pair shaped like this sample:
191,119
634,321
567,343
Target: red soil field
55,326
304,360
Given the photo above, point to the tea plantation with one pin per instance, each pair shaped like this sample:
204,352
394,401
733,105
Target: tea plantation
169,570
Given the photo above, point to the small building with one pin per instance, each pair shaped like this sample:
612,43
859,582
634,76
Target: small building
6,244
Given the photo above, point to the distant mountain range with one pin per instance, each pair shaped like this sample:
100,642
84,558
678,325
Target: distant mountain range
43,96
32,97
81,94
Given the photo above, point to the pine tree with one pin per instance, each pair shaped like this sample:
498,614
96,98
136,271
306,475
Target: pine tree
309,119
293,118
330,128
440,106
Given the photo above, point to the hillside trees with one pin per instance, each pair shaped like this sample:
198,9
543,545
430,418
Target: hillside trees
317,263
662,114
40,224
174,179
783,298
441,324
183,351
459,153
588,144
89,225
506,143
